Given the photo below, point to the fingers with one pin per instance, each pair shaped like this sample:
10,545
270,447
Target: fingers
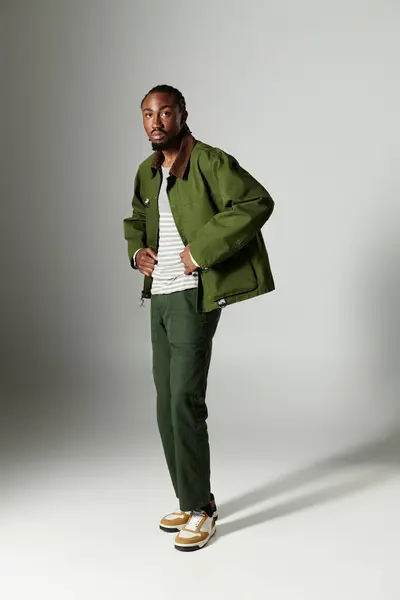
151,253
184,254
146,259
146,268
148,253
148,256
189,269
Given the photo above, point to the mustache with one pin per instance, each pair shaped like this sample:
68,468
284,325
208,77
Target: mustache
158,130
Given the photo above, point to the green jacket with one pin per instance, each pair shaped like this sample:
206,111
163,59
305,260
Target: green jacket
219,209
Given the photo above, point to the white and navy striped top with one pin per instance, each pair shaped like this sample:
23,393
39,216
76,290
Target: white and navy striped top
169,272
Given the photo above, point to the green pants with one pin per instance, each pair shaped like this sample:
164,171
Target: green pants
182,342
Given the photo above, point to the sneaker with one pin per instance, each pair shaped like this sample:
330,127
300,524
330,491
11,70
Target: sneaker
175,521
214,507
196,533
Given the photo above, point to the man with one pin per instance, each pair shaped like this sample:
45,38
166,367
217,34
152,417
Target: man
195,235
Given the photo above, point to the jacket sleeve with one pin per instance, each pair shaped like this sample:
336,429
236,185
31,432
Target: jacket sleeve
246,206
135,226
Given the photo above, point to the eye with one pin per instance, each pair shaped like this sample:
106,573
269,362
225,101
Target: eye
166,113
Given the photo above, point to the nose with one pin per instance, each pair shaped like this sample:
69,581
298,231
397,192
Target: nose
157,124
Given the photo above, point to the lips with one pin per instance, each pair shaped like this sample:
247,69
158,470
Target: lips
158,135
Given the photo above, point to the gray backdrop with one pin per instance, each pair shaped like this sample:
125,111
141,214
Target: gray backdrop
305,95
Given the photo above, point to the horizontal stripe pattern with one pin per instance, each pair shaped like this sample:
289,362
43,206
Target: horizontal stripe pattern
169,272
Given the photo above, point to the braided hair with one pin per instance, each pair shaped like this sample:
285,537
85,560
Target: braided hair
179,98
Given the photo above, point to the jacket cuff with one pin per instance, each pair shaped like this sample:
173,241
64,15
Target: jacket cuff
133,259
193,261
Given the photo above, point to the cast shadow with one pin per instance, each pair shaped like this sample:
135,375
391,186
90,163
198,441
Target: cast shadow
381,456
376,309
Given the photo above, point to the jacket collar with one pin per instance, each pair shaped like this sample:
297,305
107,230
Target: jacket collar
181,163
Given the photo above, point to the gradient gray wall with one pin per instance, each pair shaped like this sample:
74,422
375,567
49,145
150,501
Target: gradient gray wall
305,95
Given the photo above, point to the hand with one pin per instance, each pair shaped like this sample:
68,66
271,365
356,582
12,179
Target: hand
145,260
187,261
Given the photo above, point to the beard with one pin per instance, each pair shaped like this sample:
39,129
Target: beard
167,143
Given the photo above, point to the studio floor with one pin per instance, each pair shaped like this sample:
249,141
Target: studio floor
304,524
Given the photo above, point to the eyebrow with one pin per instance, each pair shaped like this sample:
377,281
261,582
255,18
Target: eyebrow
161,108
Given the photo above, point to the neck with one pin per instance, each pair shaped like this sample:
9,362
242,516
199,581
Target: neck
169,157
171,154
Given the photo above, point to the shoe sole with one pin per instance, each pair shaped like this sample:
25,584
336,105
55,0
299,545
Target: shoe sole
170,529
187,548
177,529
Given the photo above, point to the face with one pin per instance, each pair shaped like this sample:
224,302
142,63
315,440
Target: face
162,119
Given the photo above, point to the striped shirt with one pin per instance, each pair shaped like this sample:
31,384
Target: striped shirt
169,272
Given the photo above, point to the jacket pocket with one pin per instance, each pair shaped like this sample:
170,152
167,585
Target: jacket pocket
236,275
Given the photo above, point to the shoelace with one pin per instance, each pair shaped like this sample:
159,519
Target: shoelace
195,519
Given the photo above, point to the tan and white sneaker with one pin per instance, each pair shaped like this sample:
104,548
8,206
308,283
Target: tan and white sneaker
196,533
173,522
